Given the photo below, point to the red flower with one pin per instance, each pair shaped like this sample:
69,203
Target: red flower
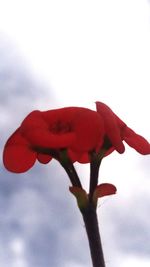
79,130
43,135
117,131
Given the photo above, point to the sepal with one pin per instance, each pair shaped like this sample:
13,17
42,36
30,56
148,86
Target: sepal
81,196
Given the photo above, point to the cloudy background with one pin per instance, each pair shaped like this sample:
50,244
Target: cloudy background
62,53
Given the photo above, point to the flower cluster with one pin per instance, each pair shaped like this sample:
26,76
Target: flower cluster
43,135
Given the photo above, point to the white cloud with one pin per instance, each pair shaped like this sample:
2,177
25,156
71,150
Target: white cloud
73,264
85,50
17,246
134,261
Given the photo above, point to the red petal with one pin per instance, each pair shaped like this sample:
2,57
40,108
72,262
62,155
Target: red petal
89,129
62,114
111,126
109,151
37,129
42,158
17,155
32,121
136,141
18,158
84,158
46,139
17,139
78,156
104,189
80,128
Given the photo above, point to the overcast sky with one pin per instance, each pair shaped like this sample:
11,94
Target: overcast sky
62,53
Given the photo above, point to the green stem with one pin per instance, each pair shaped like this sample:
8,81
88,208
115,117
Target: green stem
67,164
71,171
89,212
94,170
90,216
92,229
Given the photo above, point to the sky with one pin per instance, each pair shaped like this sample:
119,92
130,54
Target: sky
64,53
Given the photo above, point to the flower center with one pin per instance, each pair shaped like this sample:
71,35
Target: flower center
59,127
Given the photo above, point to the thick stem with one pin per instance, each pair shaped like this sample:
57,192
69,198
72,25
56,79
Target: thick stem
94,170
92,229
71,171
89,211
67,164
